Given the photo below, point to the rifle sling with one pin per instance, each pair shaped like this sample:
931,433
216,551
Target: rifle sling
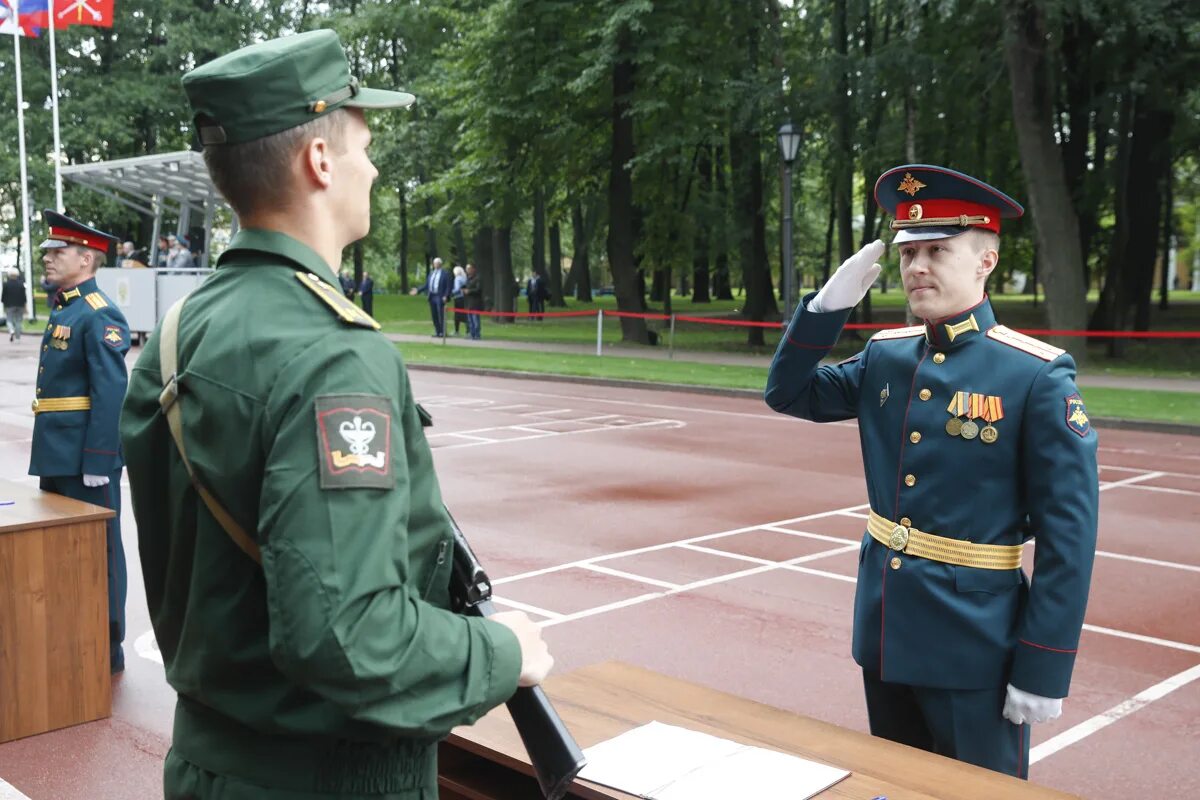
169,401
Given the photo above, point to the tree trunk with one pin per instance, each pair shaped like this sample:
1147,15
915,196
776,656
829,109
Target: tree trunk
538,245
482,245
581,275
504,285
620,195
556,274
1055,223
431,249
460,245
1168,233
403,240
1149,164
722,282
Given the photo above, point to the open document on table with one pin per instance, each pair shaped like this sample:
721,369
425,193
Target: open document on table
664,762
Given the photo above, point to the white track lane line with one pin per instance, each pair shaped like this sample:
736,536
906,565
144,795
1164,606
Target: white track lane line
651,548
663,423
1149,476
1123,709
528,609
7,792
629,576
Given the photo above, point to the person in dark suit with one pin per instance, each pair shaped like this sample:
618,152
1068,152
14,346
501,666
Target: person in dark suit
14,303
537,294
76,449
366,291
472,292
438,287
347,284
974,439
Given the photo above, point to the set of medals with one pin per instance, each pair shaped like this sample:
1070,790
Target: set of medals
973,406
60,335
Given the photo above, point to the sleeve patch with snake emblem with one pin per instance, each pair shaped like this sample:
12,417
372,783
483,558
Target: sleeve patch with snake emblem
354,439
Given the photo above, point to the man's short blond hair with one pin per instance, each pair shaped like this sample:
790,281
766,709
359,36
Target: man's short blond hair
984,239
256,174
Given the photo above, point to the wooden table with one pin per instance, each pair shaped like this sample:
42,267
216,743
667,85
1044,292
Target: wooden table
54,668
486,761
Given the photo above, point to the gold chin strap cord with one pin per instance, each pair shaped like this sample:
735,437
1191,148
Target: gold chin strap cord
962,221
169,401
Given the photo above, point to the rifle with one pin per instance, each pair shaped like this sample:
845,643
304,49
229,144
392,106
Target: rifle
553,752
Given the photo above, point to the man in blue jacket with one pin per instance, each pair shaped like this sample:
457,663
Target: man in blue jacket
81,384
974,440
438,288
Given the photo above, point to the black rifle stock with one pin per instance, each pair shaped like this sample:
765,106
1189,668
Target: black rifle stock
555,756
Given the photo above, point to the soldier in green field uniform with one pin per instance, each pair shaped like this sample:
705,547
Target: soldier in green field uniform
298,583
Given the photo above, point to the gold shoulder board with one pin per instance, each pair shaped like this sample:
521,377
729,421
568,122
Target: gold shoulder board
95,300
899,333
1026,344
346,310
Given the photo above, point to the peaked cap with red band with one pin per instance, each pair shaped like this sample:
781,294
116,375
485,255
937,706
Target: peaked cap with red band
931,202
65,232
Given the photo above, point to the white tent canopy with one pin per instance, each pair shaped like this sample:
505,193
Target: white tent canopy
167,182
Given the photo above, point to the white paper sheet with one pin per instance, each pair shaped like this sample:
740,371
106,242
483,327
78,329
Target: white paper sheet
665,762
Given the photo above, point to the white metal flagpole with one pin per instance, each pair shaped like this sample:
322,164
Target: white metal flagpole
26,256
58,201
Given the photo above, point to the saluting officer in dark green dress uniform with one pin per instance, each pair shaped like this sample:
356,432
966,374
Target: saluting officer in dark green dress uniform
974,440
80,385
331,666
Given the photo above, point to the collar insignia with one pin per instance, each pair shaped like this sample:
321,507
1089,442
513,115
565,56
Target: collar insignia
968,324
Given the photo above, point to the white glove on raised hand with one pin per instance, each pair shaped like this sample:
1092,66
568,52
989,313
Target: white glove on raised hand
1021,707
851,282
92,481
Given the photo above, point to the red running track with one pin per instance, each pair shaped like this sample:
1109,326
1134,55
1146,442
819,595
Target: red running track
713,540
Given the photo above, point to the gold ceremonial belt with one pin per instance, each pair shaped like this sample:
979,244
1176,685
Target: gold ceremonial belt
939,548
43,404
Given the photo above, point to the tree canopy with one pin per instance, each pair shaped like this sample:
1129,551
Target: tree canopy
637,137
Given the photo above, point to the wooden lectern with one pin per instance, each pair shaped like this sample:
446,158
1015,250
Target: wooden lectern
487,762
54,668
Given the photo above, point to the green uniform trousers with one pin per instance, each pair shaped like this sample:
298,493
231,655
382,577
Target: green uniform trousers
183,780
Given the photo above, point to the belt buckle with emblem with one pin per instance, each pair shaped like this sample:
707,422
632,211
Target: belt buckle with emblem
899,538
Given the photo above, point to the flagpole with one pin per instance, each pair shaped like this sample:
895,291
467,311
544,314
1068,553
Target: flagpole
25,248
58,201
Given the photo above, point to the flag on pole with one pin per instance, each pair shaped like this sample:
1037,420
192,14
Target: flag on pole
31,18
81,12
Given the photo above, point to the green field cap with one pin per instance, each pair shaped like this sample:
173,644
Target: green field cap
269,87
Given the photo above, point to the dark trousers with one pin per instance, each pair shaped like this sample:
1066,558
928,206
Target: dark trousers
108,496
959,724
474,323
368,302
437,310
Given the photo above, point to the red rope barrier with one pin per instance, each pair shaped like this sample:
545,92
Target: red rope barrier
853,326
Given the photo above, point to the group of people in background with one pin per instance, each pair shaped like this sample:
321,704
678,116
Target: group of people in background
364,289
461,290
173,252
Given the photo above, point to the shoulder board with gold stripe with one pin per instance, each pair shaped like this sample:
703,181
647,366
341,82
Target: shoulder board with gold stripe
95,300
899,333
1026,344
341,305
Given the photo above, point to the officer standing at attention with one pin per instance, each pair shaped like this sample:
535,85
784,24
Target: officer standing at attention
80,385
974,439
295,550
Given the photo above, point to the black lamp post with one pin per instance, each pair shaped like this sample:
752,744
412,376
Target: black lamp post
789,145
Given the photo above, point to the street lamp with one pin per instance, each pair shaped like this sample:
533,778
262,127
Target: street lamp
789,145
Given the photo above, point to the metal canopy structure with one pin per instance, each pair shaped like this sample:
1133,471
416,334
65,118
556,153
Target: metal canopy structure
153,185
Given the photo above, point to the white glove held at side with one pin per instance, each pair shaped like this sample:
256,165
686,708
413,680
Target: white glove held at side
1021,707
851,282
93,481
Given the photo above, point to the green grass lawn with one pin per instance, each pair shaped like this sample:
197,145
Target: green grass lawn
1135,404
